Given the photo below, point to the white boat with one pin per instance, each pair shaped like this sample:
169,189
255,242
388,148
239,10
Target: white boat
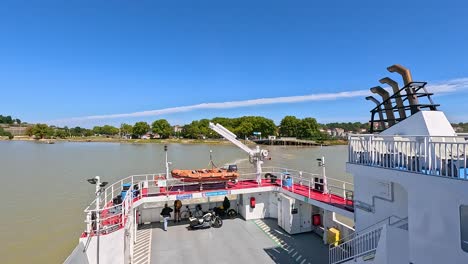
408,202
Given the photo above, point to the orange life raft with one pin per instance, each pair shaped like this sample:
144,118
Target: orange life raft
205,175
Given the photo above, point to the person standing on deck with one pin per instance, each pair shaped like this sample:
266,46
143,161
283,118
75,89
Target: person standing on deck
166,214
259,172
177,207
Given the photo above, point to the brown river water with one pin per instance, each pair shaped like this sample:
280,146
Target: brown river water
44,189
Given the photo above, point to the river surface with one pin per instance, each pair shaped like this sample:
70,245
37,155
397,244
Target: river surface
44,189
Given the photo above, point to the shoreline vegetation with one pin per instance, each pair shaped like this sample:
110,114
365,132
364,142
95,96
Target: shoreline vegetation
290,131
99,139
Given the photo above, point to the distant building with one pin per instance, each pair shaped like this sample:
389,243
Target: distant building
177,129
377,126
338,132
146,136
289,138
16,130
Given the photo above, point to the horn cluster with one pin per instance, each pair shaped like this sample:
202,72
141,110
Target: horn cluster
394,104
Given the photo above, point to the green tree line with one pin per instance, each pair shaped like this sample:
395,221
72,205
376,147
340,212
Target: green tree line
9,120
242,126
4,133
246,126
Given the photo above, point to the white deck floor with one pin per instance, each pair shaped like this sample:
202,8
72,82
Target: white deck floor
237,241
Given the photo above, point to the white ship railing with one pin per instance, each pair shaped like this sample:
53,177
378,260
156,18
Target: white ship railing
360,245
364,241
431,155
115,216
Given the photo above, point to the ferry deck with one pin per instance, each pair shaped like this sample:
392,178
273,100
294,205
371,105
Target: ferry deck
256,234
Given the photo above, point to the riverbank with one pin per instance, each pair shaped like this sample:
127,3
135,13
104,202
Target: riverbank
129,141
150,141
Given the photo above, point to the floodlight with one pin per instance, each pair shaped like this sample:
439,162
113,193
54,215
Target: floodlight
92,181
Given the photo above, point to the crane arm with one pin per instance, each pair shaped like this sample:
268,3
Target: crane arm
224,132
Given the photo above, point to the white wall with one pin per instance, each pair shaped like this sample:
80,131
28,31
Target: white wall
77,256
397,241
152,213
111,248
366,188
391,240
262,206
433,211
423,123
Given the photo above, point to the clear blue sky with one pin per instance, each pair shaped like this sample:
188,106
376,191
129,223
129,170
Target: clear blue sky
66,59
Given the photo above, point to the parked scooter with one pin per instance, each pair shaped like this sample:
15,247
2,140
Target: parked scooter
208,220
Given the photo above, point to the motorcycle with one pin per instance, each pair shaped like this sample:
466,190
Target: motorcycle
208,220
224,210
230,213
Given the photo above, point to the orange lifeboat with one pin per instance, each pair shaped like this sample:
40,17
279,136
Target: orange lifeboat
205,175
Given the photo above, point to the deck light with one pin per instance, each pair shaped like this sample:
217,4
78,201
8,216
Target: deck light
92,181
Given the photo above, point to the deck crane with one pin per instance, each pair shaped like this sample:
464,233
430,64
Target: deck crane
256,155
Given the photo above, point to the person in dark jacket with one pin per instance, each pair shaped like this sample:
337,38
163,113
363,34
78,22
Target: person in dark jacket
177,207
166,214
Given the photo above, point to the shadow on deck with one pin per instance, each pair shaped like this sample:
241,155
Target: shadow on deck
299,248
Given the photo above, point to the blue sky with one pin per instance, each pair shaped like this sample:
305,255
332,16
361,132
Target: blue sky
66,59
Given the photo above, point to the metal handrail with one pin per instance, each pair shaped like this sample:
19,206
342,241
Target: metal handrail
379,223
131,179
360,243
432,155
358,246
116,188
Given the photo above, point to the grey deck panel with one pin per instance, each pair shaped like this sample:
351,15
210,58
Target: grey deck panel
237,241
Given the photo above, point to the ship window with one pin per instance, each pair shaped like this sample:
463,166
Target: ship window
464,227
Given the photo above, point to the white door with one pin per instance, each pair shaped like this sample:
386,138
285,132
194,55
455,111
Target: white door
273,212
287,216
306,217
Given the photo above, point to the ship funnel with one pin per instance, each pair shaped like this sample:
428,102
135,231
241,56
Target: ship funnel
407,79
404,72
387,103
382,123
399,101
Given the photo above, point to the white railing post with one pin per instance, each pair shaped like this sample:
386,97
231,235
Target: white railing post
123,212
464,162
89,224
344,190
281,180
292,183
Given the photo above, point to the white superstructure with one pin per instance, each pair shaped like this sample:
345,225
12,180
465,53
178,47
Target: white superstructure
411,194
